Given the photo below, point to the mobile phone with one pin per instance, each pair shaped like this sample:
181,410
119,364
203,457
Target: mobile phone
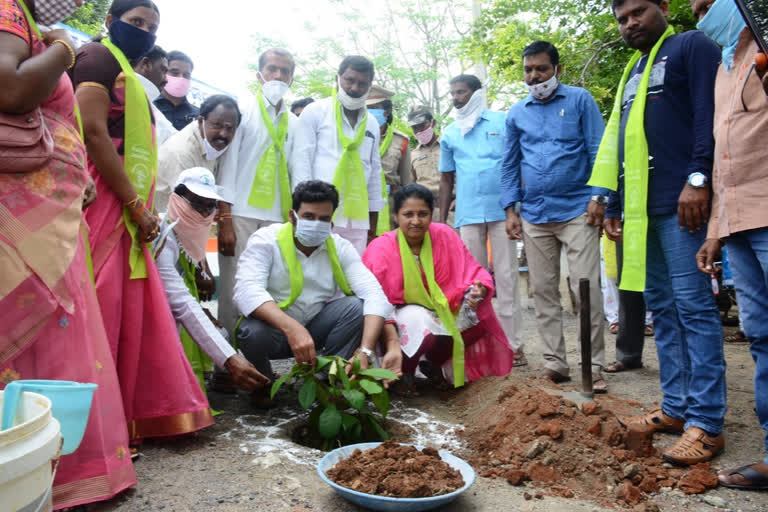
755,14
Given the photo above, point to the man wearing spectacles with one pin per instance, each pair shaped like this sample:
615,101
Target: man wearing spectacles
199,144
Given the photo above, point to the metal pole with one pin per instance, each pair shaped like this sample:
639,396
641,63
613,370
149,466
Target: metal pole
585,315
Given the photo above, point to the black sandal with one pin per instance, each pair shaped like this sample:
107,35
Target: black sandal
757,481
620,366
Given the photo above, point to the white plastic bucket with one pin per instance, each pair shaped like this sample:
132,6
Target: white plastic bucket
26,452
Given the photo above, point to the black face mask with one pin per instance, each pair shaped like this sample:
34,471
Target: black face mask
133,41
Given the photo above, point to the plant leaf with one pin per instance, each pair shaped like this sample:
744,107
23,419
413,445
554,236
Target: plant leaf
279,383
349,422
330,422
355,398
308,393
381,401
322,394
322,362
378,428
379,373
342,375
371,386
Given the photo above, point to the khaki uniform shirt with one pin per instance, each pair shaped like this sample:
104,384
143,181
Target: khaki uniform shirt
424,171
396,161
740,174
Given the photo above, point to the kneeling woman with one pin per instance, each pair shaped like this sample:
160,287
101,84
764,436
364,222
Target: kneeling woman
440,293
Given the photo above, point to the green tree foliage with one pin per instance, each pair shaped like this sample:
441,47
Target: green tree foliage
585,33
89,18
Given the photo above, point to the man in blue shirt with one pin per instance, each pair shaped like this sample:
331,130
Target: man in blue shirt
677,125
552,140
471,151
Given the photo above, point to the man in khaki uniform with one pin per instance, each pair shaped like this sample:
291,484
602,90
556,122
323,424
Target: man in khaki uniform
425,157
394,150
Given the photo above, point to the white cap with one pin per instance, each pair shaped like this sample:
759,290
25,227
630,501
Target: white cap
199,181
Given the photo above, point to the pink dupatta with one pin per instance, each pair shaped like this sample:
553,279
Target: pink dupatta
455,271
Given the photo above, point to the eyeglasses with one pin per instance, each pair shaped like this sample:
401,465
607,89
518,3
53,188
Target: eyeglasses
204,208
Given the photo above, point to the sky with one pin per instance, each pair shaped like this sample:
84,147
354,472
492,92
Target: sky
217,35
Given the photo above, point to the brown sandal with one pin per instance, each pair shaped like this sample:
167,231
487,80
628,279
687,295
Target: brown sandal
694,448
654,420
598,384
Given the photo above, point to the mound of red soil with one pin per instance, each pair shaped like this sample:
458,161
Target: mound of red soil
397,471
529,435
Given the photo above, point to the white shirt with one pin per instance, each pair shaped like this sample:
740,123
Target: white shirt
185,309
163,127
262,276
237,167
182,151
319,151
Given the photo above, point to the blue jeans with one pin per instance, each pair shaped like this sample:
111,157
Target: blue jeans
748,254
689,335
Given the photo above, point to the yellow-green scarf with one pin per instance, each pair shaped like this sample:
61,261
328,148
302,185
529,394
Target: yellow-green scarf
606,170
296,273
273,160
383,224
140,152
415,293
349,178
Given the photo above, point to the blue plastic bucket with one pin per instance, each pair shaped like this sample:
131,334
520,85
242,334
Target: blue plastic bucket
71,406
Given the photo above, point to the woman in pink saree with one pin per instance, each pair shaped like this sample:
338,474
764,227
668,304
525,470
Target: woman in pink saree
51,324
457,280
161,396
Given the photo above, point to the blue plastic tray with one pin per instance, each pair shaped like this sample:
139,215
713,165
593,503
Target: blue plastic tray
386,503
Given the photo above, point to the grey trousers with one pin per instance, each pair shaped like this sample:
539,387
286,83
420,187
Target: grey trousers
336,330
543,244
631,336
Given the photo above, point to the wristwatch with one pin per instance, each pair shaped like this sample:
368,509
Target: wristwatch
697,180
601,200
368,353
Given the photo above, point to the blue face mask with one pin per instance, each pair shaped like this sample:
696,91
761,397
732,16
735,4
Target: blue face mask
723,23
379,114
133,41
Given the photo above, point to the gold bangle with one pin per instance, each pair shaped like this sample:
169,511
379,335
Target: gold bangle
69,49
133,202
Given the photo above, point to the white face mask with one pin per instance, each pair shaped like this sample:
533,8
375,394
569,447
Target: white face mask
543,90
50,12
312,233
274,90
348,101
468,115
211,153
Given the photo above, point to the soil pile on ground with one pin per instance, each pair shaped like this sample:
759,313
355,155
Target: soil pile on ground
397,471
530,435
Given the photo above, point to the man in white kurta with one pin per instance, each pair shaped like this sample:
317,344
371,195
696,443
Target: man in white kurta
239,218
319,149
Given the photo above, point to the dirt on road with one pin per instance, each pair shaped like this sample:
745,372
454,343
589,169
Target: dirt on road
247,462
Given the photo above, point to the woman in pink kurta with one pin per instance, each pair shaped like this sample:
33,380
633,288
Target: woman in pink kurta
466,285
51,326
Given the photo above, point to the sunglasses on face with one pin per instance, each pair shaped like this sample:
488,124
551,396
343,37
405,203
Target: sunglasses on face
205,208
